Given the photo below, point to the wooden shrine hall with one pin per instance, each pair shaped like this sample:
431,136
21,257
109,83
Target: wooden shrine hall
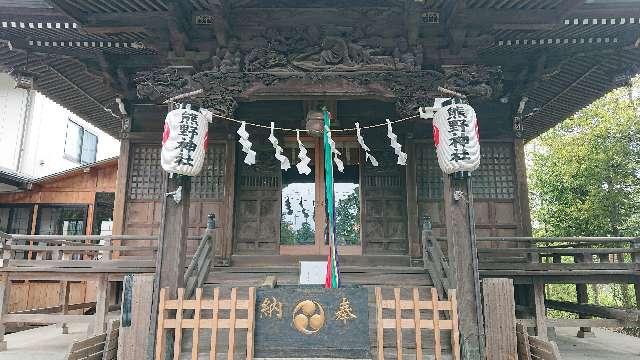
523,65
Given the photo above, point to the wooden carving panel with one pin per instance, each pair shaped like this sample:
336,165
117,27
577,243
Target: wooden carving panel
384,206
258,192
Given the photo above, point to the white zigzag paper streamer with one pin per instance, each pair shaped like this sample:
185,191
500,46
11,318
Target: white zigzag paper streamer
250,159
284,161
367,155
303,165
402,156
334,151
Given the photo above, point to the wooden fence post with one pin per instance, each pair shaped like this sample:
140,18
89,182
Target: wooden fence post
635,244
102,304
5,292
582,296
64,302
135,332
500,319
541,316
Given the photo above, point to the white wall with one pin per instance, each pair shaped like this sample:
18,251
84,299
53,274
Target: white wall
46,134
12,114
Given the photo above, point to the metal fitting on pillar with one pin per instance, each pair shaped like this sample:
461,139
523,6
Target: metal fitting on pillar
211,221
426,222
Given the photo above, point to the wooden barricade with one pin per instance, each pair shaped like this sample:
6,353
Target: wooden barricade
97,347
174,321
533,347
417,322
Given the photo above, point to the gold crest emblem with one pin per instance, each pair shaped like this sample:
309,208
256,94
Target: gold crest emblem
308,317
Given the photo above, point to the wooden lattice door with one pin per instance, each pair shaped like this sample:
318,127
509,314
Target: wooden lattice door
384,206
257,214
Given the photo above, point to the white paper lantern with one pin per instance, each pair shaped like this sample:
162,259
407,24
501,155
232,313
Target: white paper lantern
455,135
184,141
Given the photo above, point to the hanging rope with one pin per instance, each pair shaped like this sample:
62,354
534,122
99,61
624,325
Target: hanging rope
305,130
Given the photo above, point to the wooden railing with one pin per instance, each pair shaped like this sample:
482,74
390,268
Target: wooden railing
97,252
201,261
614,257
435,263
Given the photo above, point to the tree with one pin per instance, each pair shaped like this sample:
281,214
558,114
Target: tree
348,219
585,177
585,172
305,235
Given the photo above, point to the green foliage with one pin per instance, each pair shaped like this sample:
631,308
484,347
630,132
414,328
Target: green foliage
584,178
287,234
585,173
305,235
348,219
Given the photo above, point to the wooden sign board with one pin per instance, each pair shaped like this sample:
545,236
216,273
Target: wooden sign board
314,321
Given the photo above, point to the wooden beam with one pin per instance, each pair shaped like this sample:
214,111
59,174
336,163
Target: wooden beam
65,288
102,304
628,317
5,293
413,231
540,311
113,29
179,21
463,258
220,23
138,18
133,343
172,244
412,14
500,319
523,189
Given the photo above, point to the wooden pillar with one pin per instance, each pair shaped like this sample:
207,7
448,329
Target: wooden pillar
636,259
64,303
226,243
523,188
102,304
172,241
583,296
463,258
121,186
413,231
541,316
172,246
5,291
500,319
134,335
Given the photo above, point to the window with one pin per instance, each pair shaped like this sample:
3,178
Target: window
62,220
15,219
81,145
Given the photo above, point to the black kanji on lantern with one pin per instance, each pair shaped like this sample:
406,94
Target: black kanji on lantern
187,130
458,123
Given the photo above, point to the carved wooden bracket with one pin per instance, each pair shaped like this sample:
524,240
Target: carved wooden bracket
409,89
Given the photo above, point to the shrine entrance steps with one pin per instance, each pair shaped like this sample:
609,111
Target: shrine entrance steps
249,270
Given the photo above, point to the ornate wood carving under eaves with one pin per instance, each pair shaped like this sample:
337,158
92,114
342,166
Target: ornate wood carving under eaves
410,89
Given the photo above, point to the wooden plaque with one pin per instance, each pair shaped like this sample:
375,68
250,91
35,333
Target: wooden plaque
311,320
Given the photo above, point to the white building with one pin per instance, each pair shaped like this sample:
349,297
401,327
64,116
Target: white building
39,137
